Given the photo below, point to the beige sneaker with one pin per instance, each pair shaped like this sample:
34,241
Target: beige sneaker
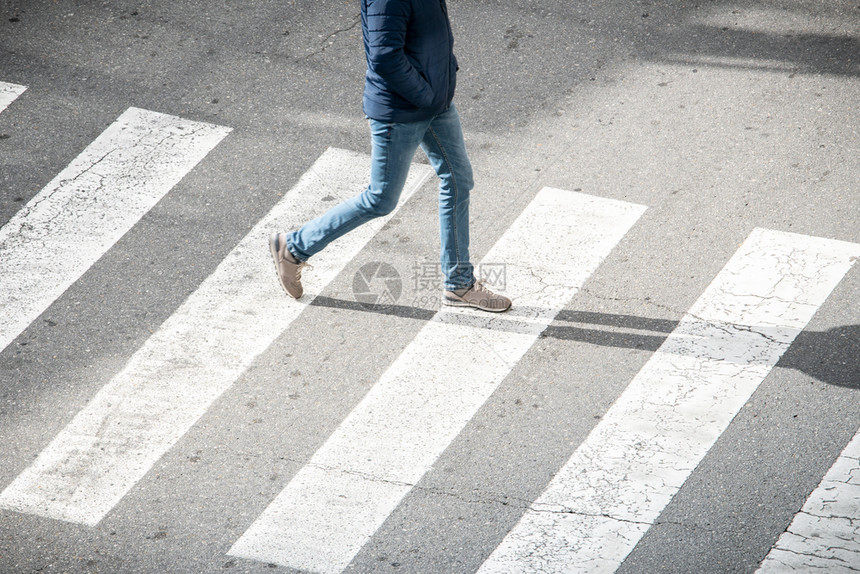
477,296
289,268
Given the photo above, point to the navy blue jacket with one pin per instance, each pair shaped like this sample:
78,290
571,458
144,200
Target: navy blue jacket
411,68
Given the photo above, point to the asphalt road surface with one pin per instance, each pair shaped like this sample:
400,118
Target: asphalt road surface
668,190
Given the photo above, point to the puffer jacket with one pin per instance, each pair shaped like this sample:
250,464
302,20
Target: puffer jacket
411,68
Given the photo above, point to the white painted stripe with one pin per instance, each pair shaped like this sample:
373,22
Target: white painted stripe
617,482
90,205
382,449
8,93
194,356
825,535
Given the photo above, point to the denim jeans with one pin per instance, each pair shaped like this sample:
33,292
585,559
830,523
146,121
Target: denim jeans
394,146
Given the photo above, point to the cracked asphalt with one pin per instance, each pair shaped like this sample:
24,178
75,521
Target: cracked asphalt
719,116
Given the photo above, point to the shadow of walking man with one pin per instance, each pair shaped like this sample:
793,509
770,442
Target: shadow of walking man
831,356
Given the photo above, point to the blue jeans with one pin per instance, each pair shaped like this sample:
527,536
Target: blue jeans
394,146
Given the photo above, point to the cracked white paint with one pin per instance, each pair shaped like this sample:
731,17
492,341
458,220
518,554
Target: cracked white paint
90,205
394,435
825,535
618,481
195,356
8,94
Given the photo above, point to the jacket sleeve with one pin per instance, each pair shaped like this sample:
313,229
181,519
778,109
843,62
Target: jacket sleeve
387,22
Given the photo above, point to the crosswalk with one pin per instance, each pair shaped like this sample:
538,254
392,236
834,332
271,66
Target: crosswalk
419,405
90,205
591,514
615,485
825,535
9,93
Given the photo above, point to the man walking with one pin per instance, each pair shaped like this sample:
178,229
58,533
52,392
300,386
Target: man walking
409,87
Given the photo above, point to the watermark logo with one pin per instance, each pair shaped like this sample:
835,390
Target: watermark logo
493,275
377,284
427,276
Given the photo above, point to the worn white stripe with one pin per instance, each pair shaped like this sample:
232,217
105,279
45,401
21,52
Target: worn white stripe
825,535
618,481
90,205
382,449
194,356
8,93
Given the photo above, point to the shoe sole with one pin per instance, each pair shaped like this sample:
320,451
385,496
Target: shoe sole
274,248
455,303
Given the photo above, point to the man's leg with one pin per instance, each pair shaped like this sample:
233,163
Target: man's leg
443,143
393,147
